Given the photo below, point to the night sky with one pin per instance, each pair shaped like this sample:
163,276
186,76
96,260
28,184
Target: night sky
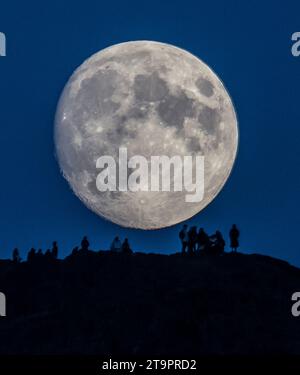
247,44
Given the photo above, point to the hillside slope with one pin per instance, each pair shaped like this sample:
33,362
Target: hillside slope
147,304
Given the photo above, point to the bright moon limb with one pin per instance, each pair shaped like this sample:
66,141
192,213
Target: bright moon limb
151,99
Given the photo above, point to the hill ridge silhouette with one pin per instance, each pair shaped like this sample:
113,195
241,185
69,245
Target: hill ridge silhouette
107,303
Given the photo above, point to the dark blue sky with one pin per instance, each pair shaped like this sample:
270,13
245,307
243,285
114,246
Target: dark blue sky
248,44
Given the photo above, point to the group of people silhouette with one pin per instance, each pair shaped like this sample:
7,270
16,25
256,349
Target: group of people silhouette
193,241
117,246
120,247
33,254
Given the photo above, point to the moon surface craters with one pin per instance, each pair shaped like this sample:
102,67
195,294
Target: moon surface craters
153,99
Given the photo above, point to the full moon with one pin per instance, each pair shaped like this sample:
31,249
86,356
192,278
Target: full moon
154,99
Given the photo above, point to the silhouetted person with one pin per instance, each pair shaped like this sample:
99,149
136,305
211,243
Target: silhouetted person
126,247
202,240
184,238
192,240
16,256
234,238
54,251
31,255
39,253
220,243
75,250
116,245
85,244
216,244
48,254
211,244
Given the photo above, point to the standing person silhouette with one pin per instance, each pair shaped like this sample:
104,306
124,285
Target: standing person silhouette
31,255
192,235
220,243
16,256
85,244
54,250
126,249
116,245
202,240
184,238
234,235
